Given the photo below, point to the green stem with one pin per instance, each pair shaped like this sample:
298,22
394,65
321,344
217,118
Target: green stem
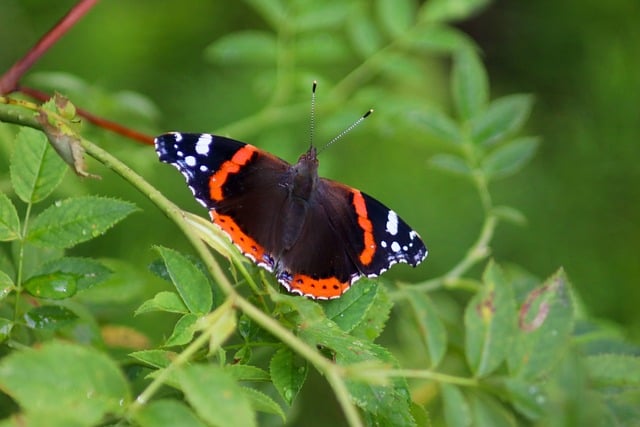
480,180
478,252
164,374
285,335
344,398
428,375
261,318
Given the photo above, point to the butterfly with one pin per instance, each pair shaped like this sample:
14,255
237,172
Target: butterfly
316,235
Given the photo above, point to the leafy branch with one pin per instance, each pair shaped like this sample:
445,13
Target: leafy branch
494,354
209,327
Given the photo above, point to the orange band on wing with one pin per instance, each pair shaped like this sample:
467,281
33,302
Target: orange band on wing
248,246
217,180
328,288
366,256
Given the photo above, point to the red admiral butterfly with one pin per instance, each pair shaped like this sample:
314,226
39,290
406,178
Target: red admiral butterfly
316,235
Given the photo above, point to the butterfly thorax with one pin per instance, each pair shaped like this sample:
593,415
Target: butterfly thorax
305,175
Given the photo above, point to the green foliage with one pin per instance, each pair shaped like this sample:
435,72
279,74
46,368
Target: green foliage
69,222
167,413
289,373
9,221
215,396
191,283
48,381
502,349
36,169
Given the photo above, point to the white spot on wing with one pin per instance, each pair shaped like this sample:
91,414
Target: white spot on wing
190,161
203,144
392,223
395,247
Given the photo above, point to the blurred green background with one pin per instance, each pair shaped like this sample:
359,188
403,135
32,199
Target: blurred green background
581,60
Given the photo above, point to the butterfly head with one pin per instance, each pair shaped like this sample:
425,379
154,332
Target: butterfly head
305,173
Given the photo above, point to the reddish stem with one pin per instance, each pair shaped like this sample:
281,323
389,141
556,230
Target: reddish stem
9,81
98,121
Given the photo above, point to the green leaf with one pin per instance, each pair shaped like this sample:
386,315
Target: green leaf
512,215
400,66
527,398
250,330
420,414
243,354
457,412
569,400
503,118
184,330
489,323
76,220
447,10
439,125
488,412
622,408
34,257
192,285
9,221
163,301
450,163
545,324
221,323
470,85
6,326
247,373
88,272
215,396
509,158
52,286
7,266
386,404
375,319
49,317
242,48
321,48
364,35
36,169
273,11
349,310
166,413
324,15
429,325
6,285
616,370
156,358
288,373
396,16
263,403
439,38
58,377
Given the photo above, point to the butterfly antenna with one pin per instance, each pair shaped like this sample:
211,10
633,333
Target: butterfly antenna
346,131
313,113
